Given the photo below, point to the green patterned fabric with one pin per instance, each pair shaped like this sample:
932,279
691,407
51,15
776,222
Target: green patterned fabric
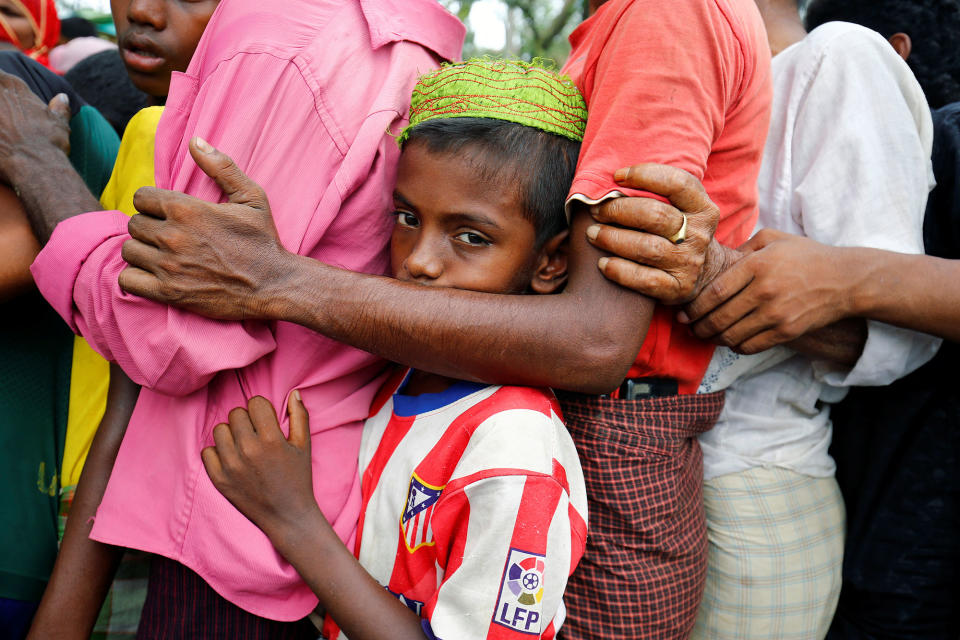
511,90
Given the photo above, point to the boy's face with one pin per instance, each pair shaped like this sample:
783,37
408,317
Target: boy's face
158,37
455,231
19,23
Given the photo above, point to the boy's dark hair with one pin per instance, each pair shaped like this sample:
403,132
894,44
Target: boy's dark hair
538,164
933,27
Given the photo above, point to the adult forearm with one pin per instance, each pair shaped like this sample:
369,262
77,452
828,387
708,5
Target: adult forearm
564,341
84,568
50,195
841,342
912,291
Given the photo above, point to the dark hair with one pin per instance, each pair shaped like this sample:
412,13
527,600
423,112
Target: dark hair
77,27
102,80
933,27
539,164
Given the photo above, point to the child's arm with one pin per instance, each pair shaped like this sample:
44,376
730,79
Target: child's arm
84,567
18,247
268,478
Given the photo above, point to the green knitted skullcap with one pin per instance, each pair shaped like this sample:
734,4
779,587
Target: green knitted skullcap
511,90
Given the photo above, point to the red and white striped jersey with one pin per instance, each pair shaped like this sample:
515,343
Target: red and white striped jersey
474,509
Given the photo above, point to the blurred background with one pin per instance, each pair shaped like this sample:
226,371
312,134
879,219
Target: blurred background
516,28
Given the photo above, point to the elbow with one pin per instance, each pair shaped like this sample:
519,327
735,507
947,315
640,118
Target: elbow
600,364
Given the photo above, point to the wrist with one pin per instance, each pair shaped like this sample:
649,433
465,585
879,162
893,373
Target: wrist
296,532
718,259
276,298
295,296
865,282
20,168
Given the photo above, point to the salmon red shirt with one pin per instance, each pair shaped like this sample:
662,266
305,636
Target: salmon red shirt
685,84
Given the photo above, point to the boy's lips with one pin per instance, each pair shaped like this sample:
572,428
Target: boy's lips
140,55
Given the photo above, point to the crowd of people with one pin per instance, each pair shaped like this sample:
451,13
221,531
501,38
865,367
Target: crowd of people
314,329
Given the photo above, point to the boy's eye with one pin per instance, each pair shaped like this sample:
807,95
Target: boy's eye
473,239
406,219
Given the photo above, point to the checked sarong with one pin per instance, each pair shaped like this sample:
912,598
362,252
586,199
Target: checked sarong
643,572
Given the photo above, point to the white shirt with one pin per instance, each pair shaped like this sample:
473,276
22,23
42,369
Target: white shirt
846,163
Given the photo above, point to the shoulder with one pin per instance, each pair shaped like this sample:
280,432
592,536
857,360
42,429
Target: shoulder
519,432
847,45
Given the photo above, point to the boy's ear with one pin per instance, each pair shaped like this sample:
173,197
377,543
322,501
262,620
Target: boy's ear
550,273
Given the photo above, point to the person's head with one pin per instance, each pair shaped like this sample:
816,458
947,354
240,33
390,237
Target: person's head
31,25
102,80
487,161
76,27
924,32
158,37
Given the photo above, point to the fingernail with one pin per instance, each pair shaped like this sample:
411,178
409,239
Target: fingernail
621,174
203,145
296,395
63,98
683,318
593,231
594,210
602,263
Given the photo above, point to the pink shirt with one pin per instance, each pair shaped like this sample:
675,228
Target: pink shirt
302,98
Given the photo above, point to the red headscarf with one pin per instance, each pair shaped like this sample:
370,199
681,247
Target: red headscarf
45,23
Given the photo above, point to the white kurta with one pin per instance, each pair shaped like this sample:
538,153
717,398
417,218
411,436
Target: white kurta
847,163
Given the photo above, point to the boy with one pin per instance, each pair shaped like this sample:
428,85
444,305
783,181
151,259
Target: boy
474,507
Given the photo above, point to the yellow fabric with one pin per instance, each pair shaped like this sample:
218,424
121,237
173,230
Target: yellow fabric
90,374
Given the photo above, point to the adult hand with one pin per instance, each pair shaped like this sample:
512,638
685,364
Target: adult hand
265,476
648,261
213,259
28,127
784,287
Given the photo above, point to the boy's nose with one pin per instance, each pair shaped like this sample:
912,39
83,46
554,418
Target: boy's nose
148,12
423,263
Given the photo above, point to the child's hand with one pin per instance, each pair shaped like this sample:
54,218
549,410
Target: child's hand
265,476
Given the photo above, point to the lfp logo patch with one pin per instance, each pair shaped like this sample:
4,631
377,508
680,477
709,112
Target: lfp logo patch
415,521
521,592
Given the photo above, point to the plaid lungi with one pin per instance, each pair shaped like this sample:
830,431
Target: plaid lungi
776,550
643,571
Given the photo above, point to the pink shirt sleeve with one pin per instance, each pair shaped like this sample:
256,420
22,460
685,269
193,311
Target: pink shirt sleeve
158,346
285,145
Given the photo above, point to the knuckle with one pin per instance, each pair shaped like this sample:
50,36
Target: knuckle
727,340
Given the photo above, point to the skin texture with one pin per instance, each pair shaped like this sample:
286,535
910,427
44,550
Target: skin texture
450,232
34,140
158,37
19,23
225,261
267,477
635,230
84,568
18,247
789,286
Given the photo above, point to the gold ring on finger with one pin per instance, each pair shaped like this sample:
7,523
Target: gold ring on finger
680,235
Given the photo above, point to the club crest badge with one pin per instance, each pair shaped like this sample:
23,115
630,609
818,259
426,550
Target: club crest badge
521,592
415,522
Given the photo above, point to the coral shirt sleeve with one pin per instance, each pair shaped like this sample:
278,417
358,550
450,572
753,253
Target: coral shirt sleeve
668,109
